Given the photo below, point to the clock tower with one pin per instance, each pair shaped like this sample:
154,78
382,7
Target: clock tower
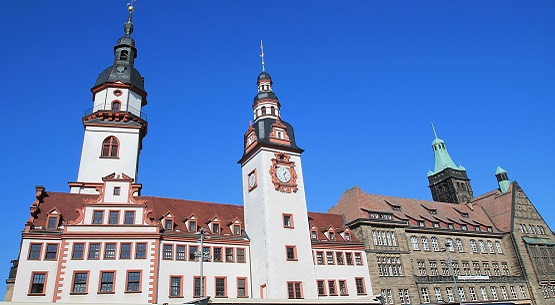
276,218
115,125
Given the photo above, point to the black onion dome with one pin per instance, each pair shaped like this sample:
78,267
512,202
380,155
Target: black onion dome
264,95
126,74
264,75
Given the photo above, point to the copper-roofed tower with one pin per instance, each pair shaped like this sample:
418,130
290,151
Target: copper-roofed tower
448,182
115,126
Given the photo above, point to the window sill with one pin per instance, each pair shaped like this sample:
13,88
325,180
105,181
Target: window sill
292,259
133,291
106,292
361,293
36,294
108,157
78,293
221,297
242,296
175,296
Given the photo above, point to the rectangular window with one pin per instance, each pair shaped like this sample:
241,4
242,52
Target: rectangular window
52,222
414,243
229,255
361,288
523,291
358,258
240,255
97,217
236,230
51,251
329,258
180,253
140,252
287,221
117,191
242,287
462,296
175,286
125,251
192,226
216,228
34,251
107,281
494,293
38,283
472,294
331,287
294,290
321,287
77,252
221,289
513,292
483,293
129,218
196,286
291,253
342,287
339,257
320,258
437,293
425,295
450,297
168,224
168,251
94,251
504,292
192,253
217,254
80,282
349,258
114,218
133,281
110,251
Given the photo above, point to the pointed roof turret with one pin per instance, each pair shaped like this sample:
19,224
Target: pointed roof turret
502,179
124,58
442,158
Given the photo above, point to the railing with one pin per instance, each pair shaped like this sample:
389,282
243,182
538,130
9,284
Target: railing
129,109
430,279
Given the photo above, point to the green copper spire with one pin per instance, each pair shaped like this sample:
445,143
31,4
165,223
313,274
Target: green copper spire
502,179
442,158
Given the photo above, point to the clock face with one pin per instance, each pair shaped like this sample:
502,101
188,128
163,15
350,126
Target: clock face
283,174
252,180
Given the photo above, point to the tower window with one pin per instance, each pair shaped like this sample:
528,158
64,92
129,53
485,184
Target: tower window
110,147
124,55
263,110
116,106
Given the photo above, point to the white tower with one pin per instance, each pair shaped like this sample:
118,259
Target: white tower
115,126
276,217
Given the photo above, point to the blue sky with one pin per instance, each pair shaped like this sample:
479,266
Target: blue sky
359,80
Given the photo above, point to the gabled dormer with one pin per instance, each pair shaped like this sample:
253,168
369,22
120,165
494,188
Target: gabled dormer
214,225
347,234
54,218
168,221
236,226
330,233
191,223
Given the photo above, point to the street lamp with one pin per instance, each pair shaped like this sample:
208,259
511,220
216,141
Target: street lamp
202,256
448,245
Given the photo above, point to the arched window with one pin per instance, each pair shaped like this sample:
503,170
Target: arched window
116,106
263,111
273,110
124,55
110,147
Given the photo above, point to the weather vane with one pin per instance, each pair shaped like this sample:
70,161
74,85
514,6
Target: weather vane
262,54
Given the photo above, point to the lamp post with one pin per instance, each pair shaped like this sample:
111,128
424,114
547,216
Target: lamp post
450,263
202,256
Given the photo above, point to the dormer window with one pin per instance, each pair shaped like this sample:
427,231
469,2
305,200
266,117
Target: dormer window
216,228
450,226
236,230
347,236
464,227
332,235
313,234
192,226
433,212
250,138
436,224
396,208
465,215
421,223
52,222
168,224
279,134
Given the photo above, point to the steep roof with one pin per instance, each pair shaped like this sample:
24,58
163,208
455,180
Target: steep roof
491,210
180,209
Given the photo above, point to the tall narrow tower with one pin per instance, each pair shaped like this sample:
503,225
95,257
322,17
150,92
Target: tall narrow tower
502,179
276,218
115,126
448,182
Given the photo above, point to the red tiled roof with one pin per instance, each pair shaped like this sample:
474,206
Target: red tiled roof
486,210
181,210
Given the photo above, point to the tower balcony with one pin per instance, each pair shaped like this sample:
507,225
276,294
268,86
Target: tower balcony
124,109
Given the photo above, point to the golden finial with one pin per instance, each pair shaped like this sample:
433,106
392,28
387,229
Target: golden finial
130,6
262,54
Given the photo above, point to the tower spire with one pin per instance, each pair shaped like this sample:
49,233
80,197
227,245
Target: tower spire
434,129
128,26
262,55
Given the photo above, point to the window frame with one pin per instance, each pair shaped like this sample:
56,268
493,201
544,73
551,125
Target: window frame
288,221
111,219
95,219
137,251
217,288
97,251
109,251
101,282
43,284
242,256
110,148
291,253
86,282
195,279
167,255
82,251
129,218
360,285
48,252
50,218
171,291
34,252
295,290
245,287
139,283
